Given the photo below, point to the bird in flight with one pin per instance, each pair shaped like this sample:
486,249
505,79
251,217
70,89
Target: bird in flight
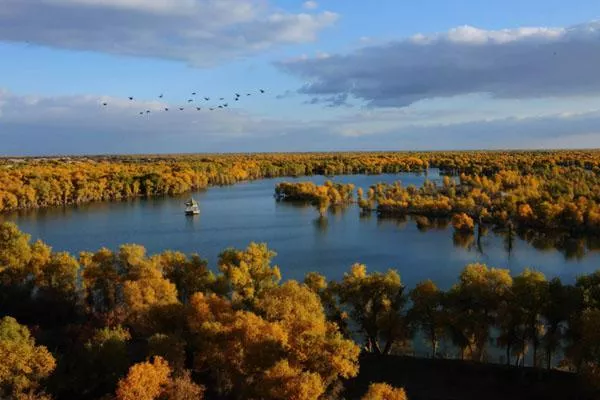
130,98
198,109
147,111
190,100
193,93
141,113
262,91
225,105
166,109
248,94
207,98
221,98
161,96
211,109
104,104
180,108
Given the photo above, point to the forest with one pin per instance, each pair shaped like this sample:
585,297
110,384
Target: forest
551,183
128,325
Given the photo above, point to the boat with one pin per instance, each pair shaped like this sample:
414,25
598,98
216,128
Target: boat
191,207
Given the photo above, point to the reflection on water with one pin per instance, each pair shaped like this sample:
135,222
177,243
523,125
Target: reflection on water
236,215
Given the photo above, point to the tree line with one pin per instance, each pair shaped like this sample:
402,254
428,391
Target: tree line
130,325
42,182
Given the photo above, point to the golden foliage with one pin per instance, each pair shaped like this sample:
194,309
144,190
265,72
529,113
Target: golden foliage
145,381
23,364
383,391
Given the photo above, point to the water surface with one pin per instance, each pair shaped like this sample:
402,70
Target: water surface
236,215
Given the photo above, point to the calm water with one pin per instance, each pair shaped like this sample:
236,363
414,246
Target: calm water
236,215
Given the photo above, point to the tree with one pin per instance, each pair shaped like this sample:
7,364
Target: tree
60,275
383,391
182,387
145,381
23,363
376,302
477,299
169,347
427,313
106,360
289,348
15,254
313,341
190,275
562,302
530,290
248,272
101,279
463,223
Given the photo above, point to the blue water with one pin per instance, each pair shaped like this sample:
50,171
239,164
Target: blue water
236,215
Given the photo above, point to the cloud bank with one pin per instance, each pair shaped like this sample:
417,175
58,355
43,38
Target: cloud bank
32,125
512,63
200,32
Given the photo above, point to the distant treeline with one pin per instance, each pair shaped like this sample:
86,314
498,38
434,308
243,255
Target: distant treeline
127,325
42,182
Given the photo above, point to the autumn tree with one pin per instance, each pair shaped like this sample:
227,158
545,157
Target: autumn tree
248,272
24,365
477,299
530,291
383,391
427,312
376,302
286,348
190,275
145,381
463,223
15,254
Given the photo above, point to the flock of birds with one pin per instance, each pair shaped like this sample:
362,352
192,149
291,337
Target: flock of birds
193,102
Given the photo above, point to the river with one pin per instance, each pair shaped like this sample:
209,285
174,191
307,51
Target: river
236,215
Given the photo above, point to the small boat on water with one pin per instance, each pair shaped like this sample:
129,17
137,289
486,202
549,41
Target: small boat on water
191,207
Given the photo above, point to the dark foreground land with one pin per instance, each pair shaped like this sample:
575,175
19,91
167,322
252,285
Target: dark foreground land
426,379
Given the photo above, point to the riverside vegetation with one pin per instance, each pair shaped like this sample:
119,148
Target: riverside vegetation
128,325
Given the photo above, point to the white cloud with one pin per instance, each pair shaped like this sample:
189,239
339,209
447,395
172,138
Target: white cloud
310,5
201,32
511,63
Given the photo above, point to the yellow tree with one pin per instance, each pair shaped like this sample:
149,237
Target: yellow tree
15,254
383,391
314,343
145,381
376,302
190,275
531,294
289,349
427,312
478,297
463,223
101,279
248,272
23,363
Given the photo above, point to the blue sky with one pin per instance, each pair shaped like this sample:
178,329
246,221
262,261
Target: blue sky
339,74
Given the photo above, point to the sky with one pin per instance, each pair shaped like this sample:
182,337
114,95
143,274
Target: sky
336,74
